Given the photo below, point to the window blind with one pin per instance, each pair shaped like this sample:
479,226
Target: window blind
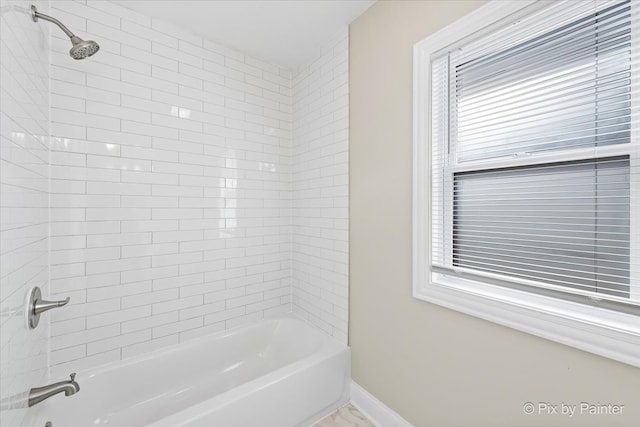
563,89
535,158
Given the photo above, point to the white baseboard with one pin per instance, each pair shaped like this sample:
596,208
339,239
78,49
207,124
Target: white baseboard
377,412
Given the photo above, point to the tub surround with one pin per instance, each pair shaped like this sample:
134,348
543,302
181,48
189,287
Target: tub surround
172,187
172,206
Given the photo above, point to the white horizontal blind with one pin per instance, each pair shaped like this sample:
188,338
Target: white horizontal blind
563,223
562,89
535,156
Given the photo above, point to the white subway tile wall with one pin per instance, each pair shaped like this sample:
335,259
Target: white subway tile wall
171,190
24,221
321,189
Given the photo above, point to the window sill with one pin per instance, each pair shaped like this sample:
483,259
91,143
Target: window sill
609,334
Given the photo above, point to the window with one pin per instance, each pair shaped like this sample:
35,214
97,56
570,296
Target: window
527,171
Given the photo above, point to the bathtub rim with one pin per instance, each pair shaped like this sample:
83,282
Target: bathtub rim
326,340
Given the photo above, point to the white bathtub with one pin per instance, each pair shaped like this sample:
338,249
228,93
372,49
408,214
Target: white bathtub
279,372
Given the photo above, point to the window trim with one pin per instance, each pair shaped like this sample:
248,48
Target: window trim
611,334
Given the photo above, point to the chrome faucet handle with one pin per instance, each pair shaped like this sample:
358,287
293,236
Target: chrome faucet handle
37,306
40,306
73,376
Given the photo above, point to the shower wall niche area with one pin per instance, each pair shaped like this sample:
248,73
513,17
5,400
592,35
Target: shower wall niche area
183,188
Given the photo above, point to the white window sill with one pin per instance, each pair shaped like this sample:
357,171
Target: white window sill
600,331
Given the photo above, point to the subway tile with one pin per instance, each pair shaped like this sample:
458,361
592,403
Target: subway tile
119,112
109,59
244,300
122,138
61,368
67,326
149,322
149,130
176,190
149,274
149,346
205,54
200,288
81,227
176,304
193,80
68,354
149,178
67,159
118,188
120,87
83,174
84,92
149,249
176,327
98,214
75,310
142,226
108,162
150,154
123,239
84,336
98,267
202,331
70,256
145,81
151,299
182,100
179,281
149,202
144,31
130,38
68,103
149,57
118,342
115,291
89,120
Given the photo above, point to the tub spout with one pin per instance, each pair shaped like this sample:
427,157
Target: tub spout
38,394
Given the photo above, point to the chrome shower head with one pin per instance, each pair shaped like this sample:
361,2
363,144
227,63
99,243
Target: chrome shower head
81,49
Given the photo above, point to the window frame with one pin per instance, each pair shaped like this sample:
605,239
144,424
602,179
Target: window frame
608,333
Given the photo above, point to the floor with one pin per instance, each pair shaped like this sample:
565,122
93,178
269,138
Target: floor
347,416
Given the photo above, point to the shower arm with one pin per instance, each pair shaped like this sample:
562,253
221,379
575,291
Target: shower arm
35,15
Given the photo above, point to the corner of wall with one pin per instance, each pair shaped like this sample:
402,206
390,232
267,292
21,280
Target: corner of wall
320,277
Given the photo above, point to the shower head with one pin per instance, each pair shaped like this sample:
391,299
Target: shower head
81,49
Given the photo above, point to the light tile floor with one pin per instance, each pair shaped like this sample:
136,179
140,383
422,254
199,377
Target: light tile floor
347,416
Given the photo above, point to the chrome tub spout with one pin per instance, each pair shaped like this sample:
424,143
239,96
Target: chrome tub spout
38,394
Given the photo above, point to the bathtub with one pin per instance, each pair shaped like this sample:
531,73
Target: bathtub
279,372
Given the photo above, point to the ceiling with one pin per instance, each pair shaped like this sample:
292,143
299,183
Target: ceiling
283,32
